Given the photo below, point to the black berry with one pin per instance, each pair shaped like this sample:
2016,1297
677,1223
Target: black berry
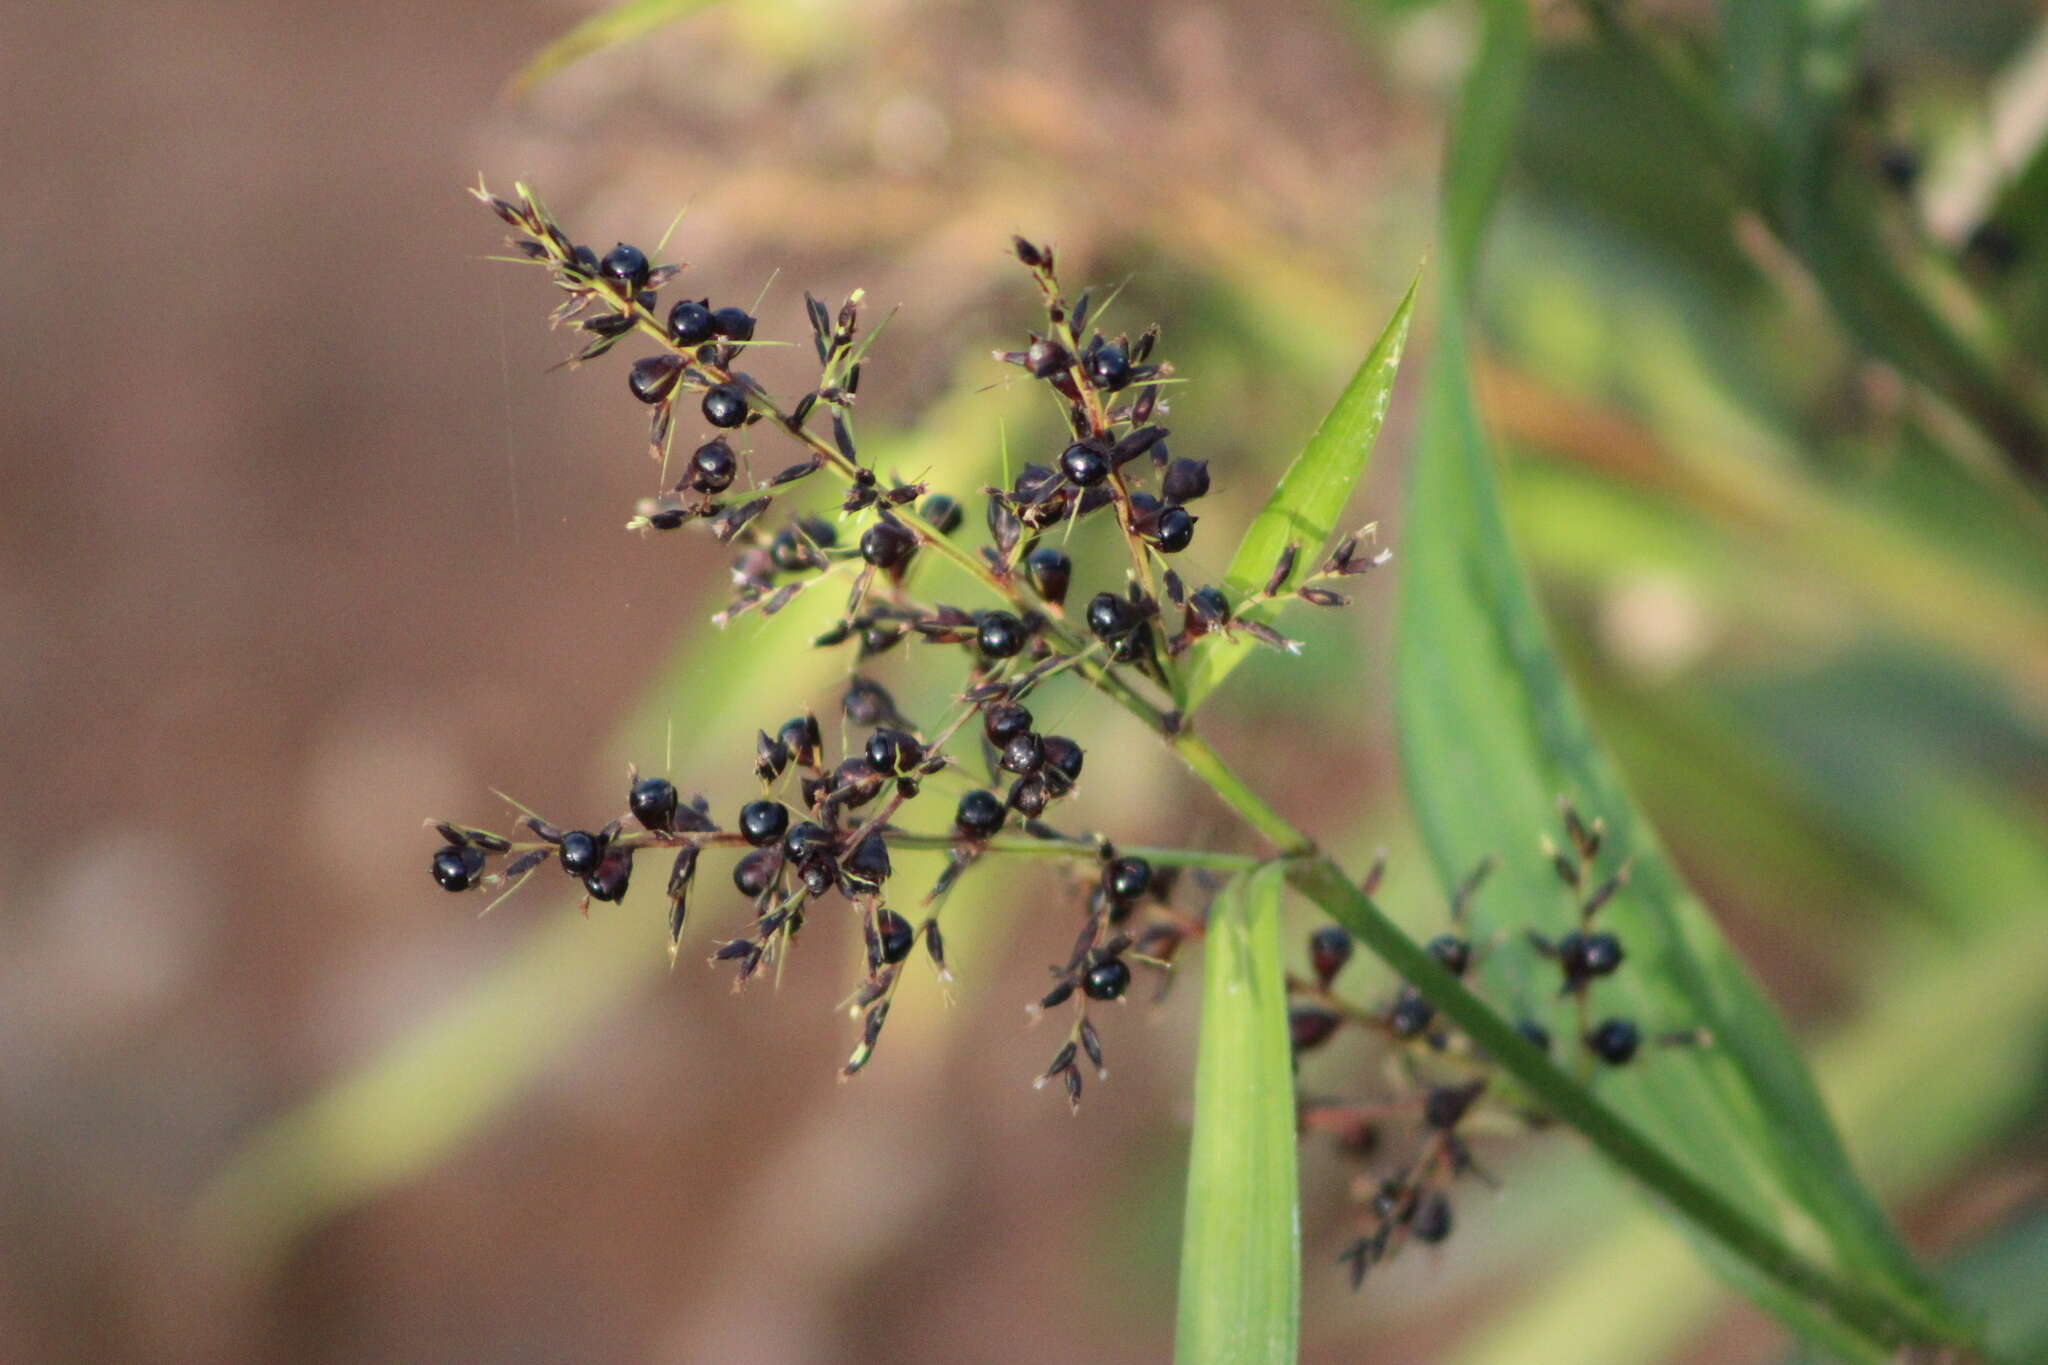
806,841
1111,617
1601,954
1126,879
734,324
1049,569
1184,480
1005,721
607,882
725,406
887,544
763,822
895,934
626,265
1110,367
1024,753
1452,953
1000,635
1411,1015
713,466
867,867
1106,980
1086,464
1063,759
943,513
457,866
980,814
892,751
1029,795
581,853
1310,1026
1614,1041
800,736
1176,529
1329,948
690,323
654,378
1431,1221
653,803
754,873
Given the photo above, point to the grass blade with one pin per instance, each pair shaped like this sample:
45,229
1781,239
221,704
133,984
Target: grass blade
1304,508
609,27
1240,1267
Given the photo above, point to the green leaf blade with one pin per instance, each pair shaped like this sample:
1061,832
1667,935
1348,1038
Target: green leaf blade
1240,1272
1304,507
608,28
1491,737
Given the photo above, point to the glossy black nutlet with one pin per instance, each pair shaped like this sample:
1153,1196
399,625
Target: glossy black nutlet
457,866
1126,879
1029,796
1176,529
893,751
1111,617
895,935
1110,367
626,265
1106,980
653,803
1329,948
980,814
754,873
654,377
867,865
1431,1221
725,406
1411,1016
806,841
1050,569
763,822
887,544
1614,1041
734,324
1084,463
580,853
1452,953
1310,1026
1063,760
1004,721
712,466
608,880
1600,954
1046,358
1000,635
690,323
1184,480
1024,754
943,513
801,737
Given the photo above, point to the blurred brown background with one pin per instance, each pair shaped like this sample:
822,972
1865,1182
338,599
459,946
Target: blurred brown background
303,542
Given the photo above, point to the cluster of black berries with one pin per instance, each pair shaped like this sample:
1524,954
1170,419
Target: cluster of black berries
1440,1076
1127,917
824,827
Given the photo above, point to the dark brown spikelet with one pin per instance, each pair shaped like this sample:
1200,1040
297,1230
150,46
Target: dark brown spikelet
1283,569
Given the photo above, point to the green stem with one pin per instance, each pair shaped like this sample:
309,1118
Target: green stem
1027,847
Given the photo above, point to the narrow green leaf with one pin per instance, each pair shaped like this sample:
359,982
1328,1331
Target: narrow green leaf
1734,1134
1240,1267
1311,495
1491,737
620,23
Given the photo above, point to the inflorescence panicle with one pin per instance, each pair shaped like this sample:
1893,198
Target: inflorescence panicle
820,828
